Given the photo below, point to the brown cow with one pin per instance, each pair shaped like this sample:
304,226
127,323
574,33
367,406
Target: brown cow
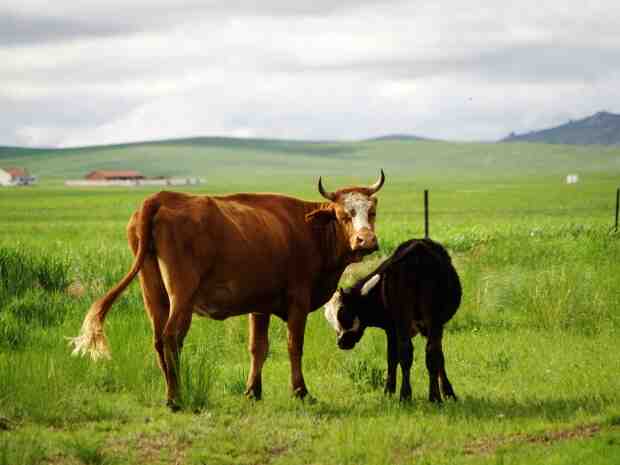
221,256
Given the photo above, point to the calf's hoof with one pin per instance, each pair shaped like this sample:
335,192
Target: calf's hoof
173,405
435,400
405,394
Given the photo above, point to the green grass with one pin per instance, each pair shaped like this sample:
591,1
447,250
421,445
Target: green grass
531,352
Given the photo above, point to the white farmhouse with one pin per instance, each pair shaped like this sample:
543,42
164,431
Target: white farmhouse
15,177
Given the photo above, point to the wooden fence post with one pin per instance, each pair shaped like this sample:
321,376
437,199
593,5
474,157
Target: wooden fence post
617,207
426,213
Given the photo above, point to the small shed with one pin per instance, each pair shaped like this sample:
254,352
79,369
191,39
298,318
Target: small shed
15,177
109,175
572,178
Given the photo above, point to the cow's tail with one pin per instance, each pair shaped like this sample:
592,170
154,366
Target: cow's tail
92,339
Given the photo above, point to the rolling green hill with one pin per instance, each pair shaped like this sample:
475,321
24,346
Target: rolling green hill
251,162
601,128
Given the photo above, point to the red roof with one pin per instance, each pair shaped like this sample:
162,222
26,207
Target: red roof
16,172
108,174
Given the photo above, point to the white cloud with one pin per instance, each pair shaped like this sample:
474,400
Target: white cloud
122,71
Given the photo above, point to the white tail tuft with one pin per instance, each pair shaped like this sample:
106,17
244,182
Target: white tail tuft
92,340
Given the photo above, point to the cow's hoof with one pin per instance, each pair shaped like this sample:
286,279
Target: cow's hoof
300,393
389,390
173,406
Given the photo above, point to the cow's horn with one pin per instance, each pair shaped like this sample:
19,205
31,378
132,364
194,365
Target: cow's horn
376,186
328,195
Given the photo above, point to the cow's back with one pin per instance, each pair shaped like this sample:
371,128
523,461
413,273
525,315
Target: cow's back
246,249
422,266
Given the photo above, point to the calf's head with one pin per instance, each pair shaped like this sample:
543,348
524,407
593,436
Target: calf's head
344,313
355,209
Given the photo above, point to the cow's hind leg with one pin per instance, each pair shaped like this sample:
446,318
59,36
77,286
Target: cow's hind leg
176,328
156,305
446,386
155,298
258,347
434,361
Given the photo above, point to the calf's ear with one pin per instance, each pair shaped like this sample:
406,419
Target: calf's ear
321,216
368,285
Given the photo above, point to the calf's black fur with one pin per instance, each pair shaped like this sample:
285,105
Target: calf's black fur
416,290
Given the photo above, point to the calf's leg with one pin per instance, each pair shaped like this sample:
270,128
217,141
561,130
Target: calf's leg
446,386
392,361
434,361
405,355
258,346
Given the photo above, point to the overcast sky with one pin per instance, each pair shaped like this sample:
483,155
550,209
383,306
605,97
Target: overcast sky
79,72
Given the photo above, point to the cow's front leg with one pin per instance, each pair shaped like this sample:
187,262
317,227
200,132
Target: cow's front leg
258,346
296,328
392,361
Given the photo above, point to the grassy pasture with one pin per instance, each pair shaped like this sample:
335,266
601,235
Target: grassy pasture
532,352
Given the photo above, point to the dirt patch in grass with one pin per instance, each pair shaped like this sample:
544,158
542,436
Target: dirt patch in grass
489,446
152,448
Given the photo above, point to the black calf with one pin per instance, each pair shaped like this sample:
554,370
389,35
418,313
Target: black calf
416,290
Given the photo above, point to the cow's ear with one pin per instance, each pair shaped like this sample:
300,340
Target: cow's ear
368,285
321,216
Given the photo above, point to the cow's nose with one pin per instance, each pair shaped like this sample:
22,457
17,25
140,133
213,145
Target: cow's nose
366,241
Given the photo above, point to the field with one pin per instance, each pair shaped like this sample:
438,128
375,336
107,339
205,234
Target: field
532,352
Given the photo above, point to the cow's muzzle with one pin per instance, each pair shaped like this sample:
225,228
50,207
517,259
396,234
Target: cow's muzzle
348,340
365,241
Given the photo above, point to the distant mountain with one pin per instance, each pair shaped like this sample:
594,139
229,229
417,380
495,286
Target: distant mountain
601,128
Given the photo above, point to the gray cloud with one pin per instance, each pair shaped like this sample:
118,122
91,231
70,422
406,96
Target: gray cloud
23,26
534,63
19,29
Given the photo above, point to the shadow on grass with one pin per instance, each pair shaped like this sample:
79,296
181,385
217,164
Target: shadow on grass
550,409
480,408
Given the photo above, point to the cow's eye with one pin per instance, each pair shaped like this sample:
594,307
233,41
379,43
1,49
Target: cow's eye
352,212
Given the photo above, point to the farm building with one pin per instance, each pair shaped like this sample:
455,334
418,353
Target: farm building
107,175
15,177
128,178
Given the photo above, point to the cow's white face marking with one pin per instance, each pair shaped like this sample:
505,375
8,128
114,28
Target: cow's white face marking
358,207
331,314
